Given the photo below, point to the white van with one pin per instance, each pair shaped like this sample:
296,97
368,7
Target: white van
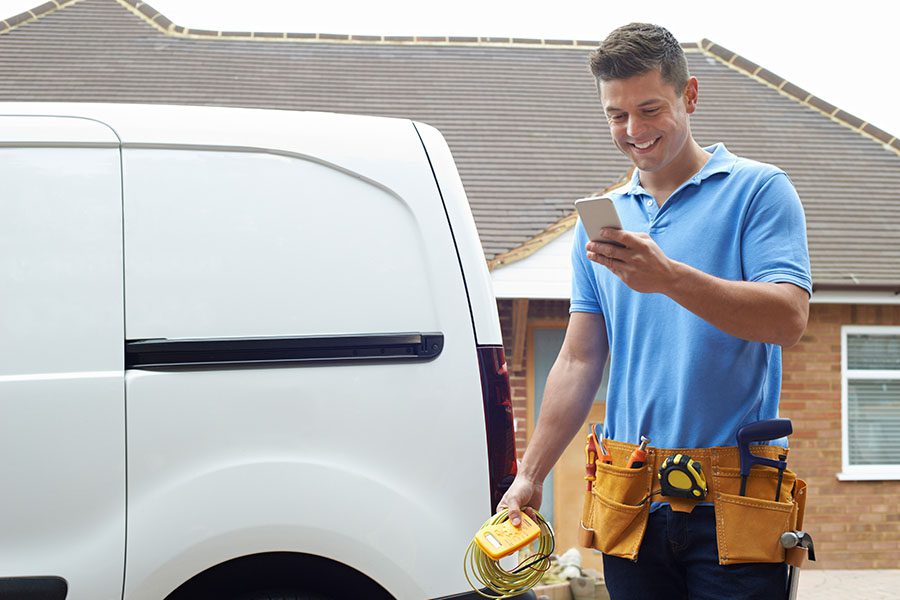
244,354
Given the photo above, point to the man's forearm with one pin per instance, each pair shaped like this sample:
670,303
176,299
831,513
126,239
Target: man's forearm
756,311
569,393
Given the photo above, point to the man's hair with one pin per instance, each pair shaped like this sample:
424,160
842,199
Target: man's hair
637,48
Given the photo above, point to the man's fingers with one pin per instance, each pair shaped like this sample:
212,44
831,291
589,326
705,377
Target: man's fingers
605,254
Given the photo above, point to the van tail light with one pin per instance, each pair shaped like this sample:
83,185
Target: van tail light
498,420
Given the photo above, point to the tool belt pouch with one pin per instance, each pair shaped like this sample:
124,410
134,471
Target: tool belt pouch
749,527
615,511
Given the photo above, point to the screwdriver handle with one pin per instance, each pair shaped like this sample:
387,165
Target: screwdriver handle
638,456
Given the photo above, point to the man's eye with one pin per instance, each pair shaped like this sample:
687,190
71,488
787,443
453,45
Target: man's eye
652,111
615,118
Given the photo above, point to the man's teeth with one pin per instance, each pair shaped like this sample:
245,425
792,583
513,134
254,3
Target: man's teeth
645,145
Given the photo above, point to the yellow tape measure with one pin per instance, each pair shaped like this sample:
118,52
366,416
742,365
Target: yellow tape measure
682,476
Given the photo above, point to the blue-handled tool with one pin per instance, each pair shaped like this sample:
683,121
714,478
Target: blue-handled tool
761,431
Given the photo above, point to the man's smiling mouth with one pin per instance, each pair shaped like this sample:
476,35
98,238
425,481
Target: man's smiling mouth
645,145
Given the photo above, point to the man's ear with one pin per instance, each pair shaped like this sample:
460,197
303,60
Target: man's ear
691,94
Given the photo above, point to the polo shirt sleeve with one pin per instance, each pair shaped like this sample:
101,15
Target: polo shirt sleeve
773,240
584,291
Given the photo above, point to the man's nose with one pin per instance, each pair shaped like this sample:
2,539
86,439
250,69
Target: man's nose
635,127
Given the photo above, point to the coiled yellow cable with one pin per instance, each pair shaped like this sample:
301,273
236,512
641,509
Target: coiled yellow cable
499,582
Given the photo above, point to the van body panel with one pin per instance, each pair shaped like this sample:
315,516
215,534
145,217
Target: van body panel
62,431
468,244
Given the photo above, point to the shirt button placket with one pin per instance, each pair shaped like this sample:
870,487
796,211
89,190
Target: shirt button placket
651,212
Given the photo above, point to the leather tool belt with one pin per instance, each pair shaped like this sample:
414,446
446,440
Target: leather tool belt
748,528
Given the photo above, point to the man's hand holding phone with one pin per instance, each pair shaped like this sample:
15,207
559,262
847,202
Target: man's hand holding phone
632,257
635,259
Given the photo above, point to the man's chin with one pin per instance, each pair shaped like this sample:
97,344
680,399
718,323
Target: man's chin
644,163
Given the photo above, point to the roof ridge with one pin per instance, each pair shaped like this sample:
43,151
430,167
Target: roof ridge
34,14
785,87
166,26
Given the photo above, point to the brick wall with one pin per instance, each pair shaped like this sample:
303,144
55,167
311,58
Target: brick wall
855,524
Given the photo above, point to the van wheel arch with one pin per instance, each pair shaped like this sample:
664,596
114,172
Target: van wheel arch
280,576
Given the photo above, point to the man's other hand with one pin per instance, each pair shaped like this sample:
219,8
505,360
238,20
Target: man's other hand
523,494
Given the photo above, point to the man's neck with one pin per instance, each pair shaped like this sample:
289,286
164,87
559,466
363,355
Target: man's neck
661,184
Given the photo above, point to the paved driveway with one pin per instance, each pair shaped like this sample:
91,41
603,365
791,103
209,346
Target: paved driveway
849,585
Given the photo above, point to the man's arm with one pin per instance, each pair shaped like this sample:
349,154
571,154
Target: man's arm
774,313
568,394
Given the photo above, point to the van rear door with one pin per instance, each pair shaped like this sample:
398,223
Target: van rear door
62,415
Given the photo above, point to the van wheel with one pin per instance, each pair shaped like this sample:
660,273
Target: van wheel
285,595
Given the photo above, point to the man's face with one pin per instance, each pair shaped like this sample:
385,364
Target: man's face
648,119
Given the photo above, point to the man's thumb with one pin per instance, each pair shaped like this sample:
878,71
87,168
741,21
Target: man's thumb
514,516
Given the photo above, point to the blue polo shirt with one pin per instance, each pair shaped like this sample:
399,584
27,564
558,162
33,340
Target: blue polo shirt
674,377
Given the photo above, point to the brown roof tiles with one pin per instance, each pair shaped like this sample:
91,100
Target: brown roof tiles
521,116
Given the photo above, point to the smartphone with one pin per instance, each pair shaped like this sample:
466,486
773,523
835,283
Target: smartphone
597,212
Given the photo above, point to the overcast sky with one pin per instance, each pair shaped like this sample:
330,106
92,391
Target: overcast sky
846,53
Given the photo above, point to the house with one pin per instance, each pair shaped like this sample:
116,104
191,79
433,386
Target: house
529,137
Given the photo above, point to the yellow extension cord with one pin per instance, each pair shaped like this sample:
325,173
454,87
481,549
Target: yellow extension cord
525,575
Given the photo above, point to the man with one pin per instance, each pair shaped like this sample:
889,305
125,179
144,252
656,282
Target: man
712,281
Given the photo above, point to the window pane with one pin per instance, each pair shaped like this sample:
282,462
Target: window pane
873,351
874,422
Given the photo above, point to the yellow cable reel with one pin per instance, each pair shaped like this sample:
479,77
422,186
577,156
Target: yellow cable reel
497,538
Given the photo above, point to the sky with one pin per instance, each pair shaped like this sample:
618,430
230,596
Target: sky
846,53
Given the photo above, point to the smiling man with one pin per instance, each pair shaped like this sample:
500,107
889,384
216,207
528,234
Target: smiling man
710,282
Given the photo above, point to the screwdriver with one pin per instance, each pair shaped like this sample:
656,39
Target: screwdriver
639,456
590,458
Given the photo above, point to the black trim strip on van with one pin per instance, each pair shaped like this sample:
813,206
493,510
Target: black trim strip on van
34,588
257,352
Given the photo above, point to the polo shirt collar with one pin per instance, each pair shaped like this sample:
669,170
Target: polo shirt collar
721,161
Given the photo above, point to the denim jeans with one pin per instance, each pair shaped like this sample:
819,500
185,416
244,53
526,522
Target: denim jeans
679,560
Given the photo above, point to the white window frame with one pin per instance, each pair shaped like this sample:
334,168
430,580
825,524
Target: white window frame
862,472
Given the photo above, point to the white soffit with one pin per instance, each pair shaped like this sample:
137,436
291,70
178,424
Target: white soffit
546,274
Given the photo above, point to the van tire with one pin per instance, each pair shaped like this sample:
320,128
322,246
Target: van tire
284,595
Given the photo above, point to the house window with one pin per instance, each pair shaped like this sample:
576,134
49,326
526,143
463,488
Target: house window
870,381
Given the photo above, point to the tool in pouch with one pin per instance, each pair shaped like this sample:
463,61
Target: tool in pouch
594,450
762,431
798,546
498,538
682,477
